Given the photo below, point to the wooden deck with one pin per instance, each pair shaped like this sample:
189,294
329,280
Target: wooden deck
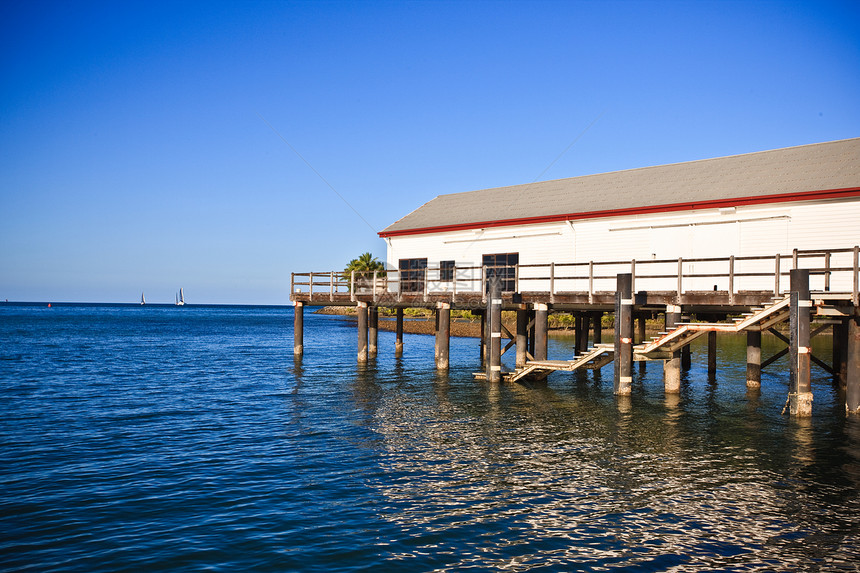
824,286
834,273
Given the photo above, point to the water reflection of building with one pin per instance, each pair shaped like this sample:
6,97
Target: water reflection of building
525,478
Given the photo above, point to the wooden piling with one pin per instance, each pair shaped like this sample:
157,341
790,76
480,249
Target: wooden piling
712,354
443,334
362,331
532,319
597,327
686,358
299,330
840,341
398,333
522,335
372,331
640,331
852,366
578,324
541,316
800,392
624,334
482,352
494,311
586,326
672,366
753,359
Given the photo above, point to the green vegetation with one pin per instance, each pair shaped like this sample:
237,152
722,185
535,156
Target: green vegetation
365,263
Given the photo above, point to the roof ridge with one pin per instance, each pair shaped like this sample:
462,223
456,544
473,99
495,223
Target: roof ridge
760,175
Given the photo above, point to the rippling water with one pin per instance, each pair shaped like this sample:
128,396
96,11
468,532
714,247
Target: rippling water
166,438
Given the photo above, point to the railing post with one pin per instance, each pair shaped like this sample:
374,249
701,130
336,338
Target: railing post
399,285
310,287
680,274
331,289
827,271
732,279
483,284
517,277
633,275
794,259
856,295
352,286
426,282
590,282
374,285
552,282
292,283
778,270
454,292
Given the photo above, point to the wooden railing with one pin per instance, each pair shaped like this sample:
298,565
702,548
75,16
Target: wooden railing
831,270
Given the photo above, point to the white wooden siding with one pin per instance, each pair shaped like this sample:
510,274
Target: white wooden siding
744,231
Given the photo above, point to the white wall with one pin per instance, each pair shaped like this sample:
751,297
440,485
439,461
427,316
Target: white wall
744,231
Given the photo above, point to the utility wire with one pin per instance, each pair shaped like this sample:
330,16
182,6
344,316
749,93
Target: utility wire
566,149
354,210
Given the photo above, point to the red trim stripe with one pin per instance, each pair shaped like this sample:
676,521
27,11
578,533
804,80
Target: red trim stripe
712,204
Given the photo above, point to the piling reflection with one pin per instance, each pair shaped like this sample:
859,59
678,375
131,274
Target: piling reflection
851,465
567,473
802,433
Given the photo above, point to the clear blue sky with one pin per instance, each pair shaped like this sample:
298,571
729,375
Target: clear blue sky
133,156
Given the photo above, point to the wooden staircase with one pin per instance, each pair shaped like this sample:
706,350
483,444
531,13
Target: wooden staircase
595,357
659,347
665,343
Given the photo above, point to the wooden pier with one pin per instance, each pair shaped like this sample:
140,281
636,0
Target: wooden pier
802,292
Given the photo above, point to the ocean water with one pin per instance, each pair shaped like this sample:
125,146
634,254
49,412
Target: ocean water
188,439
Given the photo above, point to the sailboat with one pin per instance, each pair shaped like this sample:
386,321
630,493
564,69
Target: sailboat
180,298
142,299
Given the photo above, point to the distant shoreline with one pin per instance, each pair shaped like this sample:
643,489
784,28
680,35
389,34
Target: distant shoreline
420,325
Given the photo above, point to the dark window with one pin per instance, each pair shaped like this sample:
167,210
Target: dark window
412,273
503,266
446,271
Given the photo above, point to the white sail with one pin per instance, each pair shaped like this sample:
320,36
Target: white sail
142,299
180,298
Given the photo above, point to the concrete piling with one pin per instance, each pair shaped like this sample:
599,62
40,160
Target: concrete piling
672,366
540,328
443,334
398,333
298,330
800,390
494,312
624,335
852,366
753,359
372,331
362,331
522,335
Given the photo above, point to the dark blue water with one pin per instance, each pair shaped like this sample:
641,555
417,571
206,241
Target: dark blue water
165,438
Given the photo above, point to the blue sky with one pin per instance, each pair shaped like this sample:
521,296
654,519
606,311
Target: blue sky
136,153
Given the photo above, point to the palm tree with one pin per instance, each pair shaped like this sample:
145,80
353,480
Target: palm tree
363,266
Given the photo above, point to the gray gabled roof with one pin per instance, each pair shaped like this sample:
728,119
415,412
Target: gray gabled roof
757,176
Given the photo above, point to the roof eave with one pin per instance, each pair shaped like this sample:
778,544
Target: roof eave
643,210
